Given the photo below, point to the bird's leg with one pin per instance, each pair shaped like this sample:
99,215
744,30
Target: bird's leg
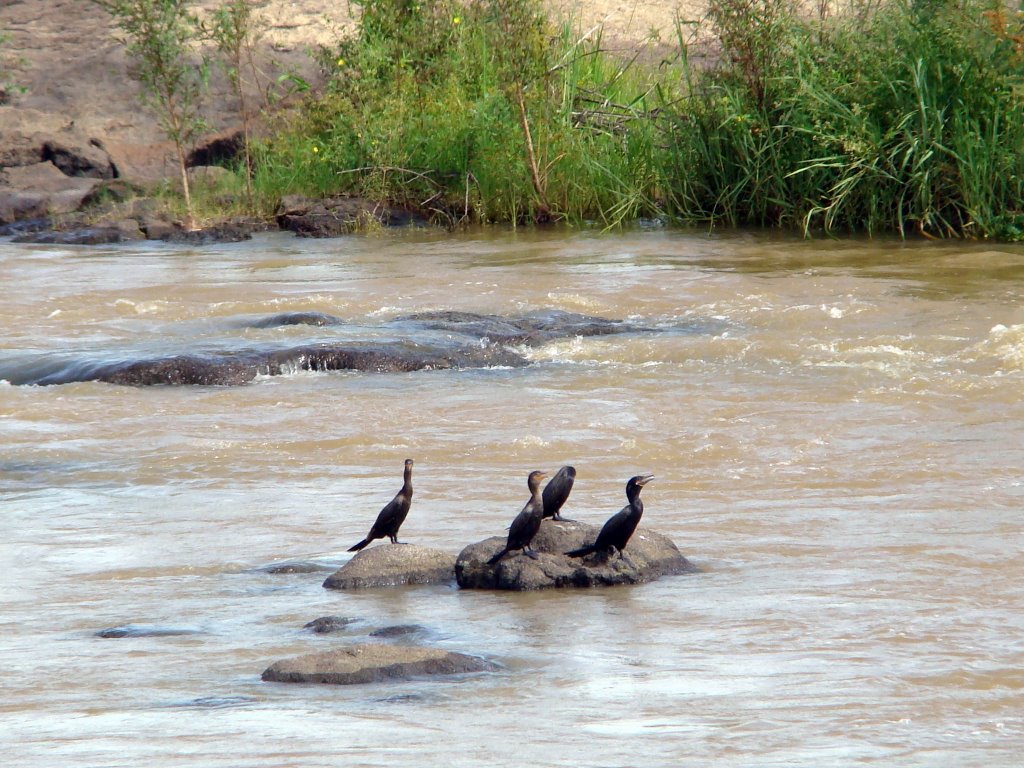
557,517
530,553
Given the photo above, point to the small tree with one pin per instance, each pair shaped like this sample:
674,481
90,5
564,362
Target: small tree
235,31
522,50
160,37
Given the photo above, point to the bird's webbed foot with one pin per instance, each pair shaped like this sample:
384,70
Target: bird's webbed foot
559,519
532,554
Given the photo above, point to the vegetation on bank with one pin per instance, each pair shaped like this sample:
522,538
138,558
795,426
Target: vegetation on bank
899,116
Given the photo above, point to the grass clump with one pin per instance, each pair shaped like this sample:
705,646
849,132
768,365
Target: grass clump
905,119
471,111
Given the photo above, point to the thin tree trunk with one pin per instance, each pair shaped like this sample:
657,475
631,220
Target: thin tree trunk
531,157
189,217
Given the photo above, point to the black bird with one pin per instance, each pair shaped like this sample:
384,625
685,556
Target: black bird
557,491
393,515
527,522
617,531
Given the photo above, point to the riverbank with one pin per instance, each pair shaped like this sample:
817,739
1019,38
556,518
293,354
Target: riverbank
467,113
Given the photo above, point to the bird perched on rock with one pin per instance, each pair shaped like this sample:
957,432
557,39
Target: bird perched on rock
557,491
615,533
527,522
393,515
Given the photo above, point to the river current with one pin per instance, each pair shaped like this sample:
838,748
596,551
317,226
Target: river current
836,427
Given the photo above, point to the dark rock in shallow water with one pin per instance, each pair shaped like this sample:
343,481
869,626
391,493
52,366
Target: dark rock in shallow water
372,663
336,216
138,630
98,235
390,565
648,556
295,318
398,630
295,566
326,624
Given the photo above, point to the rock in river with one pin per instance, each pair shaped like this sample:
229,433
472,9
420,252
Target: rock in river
389,565
371,663
649,555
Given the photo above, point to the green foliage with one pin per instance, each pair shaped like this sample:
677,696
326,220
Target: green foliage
885,115
473,111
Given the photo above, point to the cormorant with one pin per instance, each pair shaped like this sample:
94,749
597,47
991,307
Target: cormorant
557,491
617,531
527,522
393,515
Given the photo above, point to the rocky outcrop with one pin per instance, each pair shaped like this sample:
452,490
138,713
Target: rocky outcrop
648,556
389,565
336,216
372,663
40,190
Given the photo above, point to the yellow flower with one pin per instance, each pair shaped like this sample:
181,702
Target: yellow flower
315,150
457,20
341,62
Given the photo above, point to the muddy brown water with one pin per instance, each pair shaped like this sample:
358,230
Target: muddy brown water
836,428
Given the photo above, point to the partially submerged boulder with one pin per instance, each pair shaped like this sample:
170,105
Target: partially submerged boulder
336,216
371,663
648,556
389,565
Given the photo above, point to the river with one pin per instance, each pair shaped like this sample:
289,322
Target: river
836,427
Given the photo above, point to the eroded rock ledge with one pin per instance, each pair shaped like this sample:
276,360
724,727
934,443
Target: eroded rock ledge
648,556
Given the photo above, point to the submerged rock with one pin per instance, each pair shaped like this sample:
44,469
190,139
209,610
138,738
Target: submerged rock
319,319
390,565
648,556
371,663
398,630
327,624
141,630
531,328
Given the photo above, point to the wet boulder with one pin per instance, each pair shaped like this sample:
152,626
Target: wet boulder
391,565
373,663
648,556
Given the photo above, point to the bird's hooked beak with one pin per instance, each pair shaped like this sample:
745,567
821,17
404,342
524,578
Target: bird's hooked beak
644,480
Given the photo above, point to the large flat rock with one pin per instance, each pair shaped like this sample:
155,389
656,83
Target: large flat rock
649,555
372,663
390,565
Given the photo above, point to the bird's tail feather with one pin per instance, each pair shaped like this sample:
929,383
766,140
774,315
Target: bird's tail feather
582,551
359,546
497,557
